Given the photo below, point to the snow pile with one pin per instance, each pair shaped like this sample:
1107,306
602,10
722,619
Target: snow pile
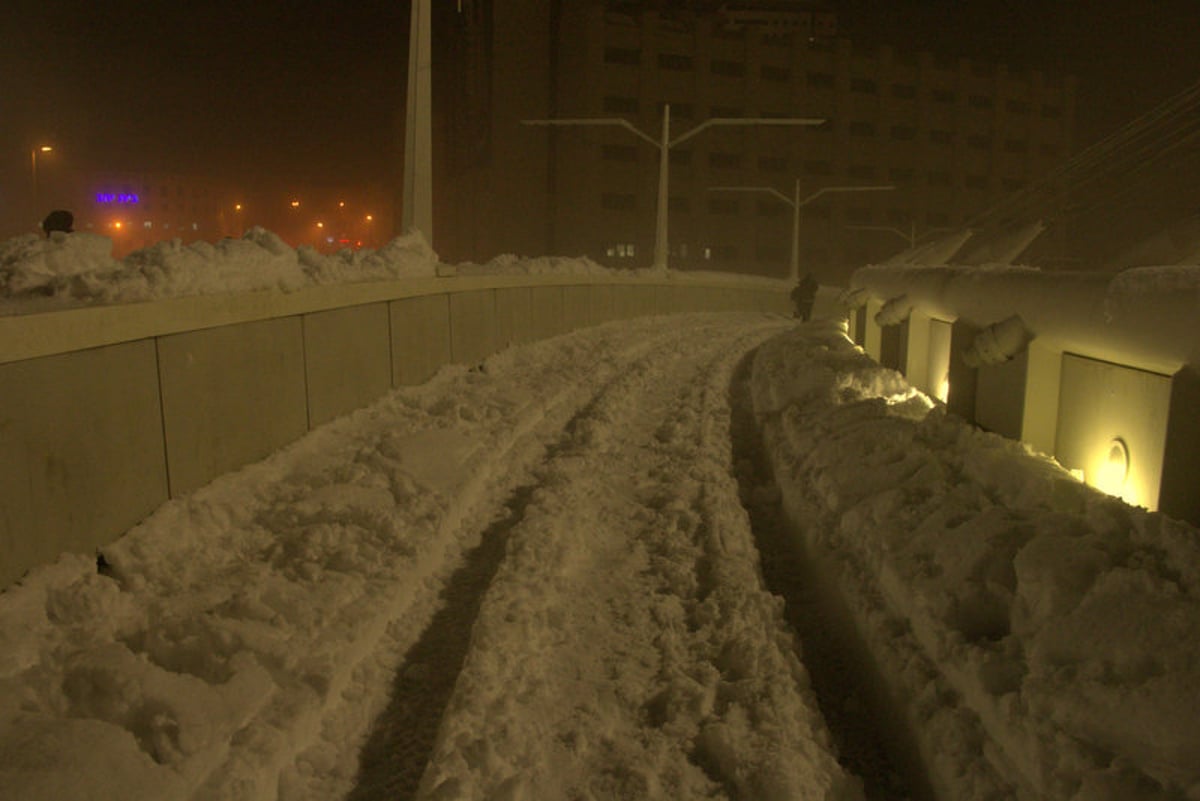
1041,638
67,270
508,264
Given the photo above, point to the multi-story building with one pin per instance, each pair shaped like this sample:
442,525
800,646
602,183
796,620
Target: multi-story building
951,135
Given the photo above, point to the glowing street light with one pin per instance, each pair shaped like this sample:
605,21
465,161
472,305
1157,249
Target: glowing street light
33,159
664,146
796,203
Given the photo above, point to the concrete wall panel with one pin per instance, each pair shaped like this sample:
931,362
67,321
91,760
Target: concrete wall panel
473,329
603,304
348,359
1000,396
514,316
577,307
83,461
1101,402
420,338
549,318
230,395
963,379
916,353
1179,493
1043,376
636,301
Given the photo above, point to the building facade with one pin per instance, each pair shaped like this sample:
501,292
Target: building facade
952,136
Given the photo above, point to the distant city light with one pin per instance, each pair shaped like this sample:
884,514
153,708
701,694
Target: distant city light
370,217
121,198
295,204
237,206
320,225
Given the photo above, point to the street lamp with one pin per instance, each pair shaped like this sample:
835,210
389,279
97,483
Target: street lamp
664,147
33,159
796,203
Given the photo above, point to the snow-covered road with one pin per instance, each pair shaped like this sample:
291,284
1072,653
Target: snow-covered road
562,574
550,546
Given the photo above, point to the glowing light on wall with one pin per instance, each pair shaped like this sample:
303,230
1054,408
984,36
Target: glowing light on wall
1111,469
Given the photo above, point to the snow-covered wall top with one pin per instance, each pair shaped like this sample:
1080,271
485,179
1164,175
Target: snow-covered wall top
1146,317
66,292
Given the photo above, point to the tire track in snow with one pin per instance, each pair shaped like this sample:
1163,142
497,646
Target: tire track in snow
871,744
394,757
625,647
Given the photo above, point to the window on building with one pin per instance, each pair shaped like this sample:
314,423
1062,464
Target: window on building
901,175
862,128
939,178
903,132
1050,150
1016,146
772,163
864,86
1012,184
1051,112
728,69
619,152
939,137
816,167
944,96
1017,107
899,216
905,91
725,161
936,218
674,61
615,201
820,80
980,101
859,215
727,111
979,141
622,250
772,72
979,182
679,204
862,172
620,105
680,157
722,204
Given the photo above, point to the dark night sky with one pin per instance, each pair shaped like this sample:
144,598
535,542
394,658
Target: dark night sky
267,86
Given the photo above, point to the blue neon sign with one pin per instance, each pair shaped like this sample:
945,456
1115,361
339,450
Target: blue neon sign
122,198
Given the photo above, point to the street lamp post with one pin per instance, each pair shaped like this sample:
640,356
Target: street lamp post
33,160
796,203
664,146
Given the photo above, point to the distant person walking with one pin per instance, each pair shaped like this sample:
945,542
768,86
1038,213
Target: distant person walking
59,220
804,295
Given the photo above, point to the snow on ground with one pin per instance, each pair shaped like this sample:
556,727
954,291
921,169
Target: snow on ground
1042,639
536,579
64,270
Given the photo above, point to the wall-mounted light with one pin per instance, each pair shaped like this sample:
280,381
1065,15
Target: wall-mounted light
1112,468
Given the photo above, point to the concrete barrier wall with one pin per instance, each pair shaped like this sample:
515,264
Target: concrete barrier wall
106,412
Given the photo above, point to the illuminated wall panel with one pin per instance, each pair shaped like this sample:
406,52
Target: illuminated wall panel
1102,404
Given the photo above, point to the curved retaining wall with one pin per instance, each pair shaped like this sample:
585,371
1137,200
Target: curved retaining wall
106,412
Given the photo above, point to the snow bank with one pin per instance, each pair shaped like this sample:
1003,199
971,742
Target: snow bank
1042,638
66,270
